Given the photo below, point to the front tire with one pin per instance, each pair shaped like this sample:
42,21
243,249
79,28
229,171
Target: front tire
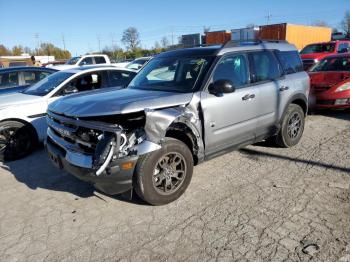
163,176
17,140
292,127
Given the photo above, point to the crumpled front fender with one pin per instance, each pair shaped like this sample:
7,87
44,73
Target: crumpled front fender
159,121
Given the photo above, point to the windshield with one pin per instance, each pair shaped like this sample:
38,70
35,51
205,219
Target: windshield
318,48
332,64
178,74
73,60
48,84
136,64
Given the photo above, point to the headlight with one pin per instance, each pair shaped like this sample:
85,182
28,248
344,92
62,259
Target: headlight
343,87
316,60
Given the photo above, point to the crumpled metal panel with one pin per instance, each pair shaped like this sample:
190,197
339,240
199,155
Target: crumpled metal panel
158,122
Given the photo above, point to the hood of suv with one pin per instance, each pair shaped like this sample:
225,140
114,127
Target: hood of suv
112,101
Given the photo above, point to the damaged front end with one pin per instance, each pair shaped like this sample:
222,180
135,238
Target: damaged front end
104,150
97,149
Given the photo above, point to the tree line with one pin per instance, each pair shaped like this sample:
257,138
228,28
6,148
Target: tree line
132,42
43,50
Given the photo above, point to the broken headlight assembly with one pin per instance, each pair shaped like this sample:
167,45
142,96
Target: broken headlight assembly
109,147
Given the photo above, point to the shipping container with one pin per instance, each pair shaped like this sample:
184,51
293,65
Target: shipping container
245,34
218,37
299,35
191,40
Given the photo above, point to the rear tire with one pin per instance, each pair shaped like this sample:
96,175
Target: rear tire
163,176
17,140
292,127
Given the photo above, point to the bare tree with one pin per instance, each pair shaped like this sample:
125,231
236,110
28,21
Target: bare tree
131,38
206,29
345,23
17,50
156,45
250,25
165,42
320,23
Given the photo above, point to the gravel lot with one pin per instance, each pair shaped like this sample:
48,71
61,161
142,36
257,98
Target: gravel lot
257,204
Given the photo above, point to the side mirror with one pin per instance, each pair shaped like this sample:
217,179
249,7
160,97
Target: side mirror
220,87
70,90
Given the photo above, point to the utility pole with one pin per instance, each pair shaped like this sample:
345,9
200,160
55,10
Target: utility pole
172,35
99,43
268,18
36,36
64,42
113,45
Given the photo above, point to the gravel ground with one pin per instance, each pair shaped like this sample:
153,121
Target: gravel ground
256,204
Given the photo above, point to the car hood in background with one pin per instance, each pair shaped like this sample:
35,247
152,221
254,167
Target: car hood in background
112,101
317,56
327,78
17,99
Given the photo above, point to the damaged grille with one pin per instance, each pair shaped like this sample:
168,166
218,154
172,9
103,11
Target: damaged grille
78,135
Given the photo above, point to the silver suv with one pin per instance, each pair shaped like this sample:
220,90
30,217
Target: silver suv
184,107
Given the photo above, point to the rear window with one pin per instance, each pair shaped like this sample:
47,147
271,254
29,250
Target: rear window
290,61
100,60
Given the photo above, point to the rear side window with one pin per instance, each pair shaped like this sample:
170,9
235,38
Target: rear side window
119,78
100,60
290,61
29,78
33,77
8,80
265,66
343,48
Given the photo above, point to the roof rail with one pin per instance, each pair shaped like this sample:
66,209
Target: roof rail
234,43
200,45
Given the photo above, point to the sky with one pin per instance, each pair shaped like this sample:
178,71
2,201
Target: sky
89,25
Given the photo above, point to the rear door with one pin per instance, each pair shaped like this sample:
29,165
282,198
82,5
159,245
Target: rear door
267,76
295,80
230,119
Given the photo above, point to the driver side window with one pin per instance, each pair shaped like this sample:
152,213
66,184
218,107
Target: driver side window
233,68
83,83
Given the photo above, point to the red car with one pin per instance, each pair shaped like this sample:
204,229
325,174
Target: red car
313,53
330,82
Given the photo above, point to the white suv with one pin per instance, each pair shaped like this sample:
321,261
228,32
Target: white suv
22,115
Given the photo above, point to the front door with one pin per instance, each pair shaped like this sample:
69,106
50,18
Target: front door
230,119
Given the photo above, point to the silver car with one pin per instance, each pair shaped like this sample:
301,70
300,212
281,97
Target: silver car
184,107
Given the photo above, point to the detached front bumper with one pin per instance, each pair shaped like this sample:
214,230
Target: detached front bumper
116,179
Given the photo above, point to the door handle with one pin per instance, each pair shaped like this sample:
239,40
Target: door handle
248,96
284,88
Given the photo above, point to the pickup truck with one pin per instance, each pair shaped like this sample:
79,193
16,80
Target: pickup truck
313,53
83,61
